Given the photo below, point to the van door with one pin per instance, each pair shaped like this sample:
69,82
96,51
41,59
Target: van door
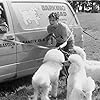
7,49
30,26
29,57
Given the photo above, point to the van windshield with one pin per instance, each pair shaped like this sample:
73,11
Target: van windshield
35,15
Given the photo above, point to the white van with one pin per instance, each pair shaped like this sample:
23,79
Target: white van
26,22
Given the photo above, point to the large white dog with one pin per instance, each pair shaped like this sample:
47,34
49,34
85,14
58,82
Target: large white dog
48,74
79,86
92,66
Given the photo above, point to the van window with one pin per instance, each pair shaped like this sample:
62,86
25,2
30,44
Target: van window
35,15
3,20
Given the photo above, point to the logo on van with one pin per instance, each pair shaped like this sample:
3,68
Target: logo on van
30,15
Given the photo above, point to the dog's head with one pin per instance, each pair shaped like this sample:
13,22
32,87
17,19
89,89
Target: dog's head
54,55
77,63
80,51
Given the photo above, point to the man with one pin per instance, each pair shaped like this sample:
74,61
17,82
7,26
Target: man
60,31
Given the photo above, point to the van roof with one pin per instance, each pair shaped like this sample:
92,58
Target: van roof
42,0
37,0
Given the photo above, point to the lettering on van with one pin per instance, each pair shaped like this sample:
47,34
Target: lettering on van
59,9
33,41
52,7
62,13
30,15
7,44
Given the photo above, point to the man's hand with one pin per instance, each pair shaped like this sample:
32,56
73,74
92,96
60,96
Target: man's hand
59,39
51,41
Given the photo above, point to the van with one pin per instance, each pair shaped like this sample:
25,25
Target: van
26,24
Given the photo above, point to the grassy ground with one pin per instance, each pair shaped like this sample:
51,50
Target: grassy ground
91,22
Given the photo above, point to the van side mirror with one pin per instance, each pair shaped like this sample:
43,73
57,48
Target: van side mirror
3,32
3,29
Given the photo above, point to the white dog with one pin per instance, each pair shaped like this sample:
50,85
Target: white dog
79,86
80,51
92,66
48,74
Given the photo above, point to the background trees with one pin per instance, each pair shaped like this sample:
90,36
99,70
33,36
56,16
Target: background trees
92,6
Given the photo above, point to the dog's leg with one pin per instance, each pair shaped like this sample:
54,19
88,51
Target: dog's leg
70,84
45,93
36,93
68,92
54,88
89,96
36,90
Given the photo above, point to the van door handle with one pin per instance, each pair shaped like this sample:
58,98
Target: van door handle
10,37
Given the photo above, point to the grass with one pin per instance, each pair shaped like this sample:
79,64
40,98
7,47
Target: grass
91,22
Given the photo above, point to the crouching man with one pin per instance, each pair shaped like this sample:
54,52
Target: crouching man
48,75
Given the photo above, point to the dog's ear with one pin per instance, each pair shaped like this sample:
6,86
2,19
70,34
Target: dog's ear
89,85
73,68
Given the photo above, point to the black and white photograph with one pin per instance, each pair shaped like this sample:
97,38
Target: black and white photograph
49,49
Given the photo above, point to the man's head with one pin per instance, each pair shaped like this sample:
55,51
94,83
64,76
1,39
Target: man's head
53,18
